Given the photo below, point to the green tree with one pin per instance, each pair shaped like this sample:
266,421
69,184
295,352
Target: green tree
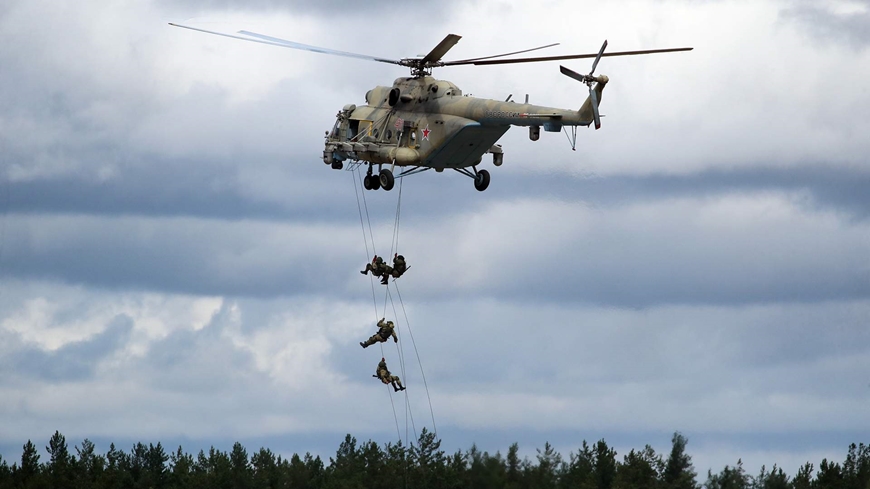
28,474
5,473
180,469
679,472
156,468
60,462
604,465
428,461
580,469
457,470
117,474
546,474
240,468
856,468
730,478
775,479
90,466
830,476
513,467
346,470
264,466
804,477
639,469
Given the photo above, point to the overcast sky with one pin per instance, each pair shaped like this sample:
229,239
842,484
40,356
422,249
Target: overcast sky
178,265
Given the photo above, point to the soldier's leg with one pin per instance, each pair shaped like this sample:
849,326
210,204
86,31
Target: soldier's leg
396,380
375,338
369,268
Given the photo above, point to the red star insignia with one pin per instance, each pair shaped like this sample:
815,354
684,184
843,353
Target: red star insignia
426,132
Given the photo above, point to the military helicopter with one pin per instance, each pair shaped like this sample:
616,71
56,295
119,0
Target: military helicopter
420,123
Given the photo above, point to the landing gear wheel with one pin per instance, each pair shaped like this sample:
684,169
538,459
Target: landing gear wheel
481,180
386,179
337,165
367,182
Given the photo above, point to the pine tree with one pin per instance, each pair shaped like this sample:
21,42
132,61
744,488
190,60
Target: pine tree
60,461
679,472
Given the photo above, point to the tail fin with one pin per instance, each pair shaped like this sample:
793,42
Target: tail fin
589,110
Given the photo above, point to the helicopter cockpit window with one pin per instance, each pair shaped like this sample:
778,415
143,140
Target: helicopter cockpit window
335,128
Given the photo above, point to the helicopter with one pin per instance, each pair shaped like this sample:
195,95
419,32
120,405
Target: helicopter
421,123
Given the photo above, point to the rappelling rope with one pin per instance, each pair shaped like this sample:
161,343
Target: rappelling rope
365,238
401,353
420,362
371,282
388,298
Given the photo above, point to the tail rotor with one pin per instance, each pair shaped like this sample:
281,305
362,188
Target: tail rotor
588,80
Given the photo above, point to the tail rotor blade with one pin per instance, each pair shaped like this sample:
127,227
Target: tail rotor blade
573,74
597,58
594,99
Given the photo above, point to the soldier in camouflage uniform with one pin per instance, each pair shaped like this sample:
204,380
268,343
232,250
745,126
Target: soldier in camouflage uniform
397,270
377,267
386,377
386,329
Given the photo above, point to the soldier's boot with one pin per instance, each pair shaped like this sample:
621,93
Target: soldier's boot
362,344
364,272
385,279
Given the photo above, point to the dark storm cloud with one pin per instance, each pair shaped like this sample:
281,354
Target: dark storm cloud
73,361
737,247
313,192
819,19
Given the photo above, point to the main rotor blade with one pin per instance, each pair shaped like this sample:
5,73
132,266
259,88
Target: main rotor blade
568,56
598,58
274,41
500,55
441,49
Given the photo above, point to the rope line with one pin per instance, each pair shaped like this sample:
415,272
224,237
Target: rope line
420,362
389,301
365,238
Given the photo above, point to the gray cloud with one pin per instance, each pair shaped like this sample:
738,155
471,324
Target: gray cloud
74,361
827,24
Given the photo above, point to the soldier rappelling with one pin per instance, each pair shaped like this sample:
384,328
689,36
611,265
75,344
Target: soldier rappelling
386,329
386,377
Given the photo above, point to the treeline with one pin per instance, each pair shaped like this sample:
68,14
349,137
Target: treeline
423,465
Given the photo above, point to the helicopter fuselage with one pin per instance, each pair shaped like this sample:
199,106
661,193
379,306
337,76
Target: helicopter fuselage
424,122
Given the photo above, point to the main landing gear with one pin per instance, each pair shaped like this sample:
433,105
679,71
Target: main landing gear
481,180
480,177
384,180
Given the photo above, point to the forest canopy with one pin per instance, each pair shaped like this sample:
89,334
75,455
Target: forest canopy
393,465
